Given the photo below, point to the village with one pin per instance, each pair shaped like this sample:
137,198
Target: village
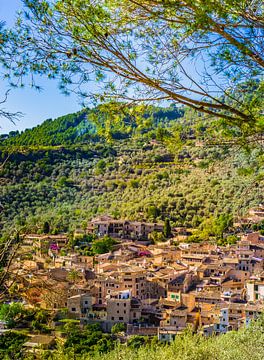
157,289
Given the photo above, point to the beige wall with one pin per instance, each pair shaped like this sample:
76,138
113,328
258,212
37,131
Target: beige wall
118,310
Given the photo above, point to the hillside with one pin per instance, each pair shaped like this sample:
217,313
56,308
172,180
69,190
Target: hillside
52,174
88,125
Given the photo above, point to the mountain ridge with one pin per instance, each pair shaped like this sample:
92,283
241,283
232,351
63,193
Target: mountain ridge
82,126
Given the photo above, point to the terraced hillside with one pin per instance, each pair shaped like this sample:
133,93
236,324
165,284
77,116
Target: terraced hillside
67,181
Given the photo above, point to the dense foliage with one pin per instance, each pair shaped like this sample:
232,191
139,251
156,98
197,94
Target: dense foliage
63,130
89,340
165,172
91,125
16,315
245,344
207,55
11,345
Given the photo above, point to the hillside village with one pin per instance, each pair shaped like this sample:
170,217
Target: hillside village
157,289
182,249
132,218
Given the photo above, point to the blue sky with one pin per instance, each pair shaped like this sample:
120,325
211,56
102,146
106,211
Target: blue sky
35,106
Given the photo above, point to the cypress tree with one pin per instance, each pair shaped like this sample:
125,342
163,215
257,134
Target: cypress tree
167,229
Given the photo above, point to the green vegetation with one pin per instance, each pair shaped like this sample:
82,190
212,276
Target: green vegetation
91,244
136,341
134,160
11,345
46,228
103,246
156,237
16,315
118,328
167,229
259,227
90,340
89,126
146,50
213,227
63,130
138,178
12,314
245,344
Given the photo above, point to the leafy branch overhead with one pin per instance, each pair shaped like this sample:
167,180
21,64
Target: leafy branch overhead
207,55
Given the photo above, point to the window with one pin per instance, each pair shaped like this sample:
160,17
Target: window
112,318
121,318
73,309
86,302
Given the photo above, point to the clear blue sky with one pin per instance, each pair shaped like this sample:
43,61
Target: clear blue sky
35,106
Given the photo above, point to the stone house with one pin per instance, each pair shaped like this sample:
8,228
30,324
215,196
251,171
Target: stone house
105,225
122,307
80,305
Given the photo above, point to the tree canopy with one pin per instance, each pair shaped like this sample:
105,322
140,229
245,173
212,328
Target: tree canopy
207,55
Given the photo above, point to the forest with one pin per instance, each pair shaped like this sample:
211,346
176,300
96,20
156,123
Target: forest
167,168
